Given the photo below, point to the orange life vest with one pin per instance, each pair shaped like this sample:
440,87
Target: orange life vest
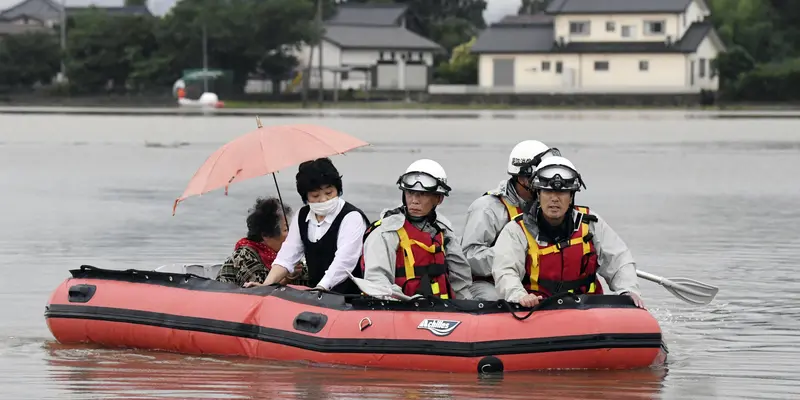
570,266
420,267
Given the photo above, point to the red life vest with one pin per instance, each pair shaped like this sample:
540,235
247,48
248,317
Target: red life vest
420,267
563,267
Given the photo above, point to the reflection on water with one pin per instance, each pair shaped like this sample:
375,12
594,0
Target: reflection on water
118,374
713,200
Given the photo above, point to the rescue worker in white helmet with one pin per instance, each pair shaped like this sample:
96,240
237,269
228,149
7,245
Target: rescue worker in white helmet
488,214
413,248
555,247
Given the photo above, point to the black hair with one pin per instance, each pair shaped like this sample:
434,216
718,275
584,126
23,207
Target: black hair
312,175
265,219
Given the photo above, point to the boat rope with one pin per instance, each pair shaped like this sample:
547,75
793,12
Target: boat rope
557,298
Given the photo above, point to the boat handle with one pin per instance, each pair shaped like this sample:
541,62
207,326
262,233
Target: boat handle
81,293
310,322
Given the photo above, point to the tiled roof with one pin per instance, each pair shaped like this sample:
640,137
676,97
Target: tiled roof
540,39
616,6
377,37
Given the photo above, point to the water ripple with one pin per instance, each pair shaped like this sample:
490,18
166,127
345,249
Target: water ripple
702,199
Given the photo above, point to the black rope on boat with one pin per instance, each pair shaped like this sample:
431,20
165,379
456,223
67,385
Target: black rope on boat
545,302
346,296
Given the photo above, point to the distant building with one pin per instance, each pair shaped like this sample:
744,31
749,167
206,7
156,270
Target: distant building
644,46
367,46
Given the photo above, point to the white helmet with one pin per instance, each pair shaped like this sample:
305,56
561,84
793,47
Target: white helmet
557,173
527,154
424,176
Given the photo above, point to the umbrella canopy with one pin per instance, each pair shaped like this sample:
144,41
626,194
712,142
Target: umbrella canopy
266,150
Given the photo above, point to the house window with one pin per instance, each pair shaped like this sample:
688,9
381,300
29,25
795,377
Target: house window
344,75
545,65
601,65
559,67
627,31
579,28
380,56
611,26
644,65
684,18
654,27
713,67
702,68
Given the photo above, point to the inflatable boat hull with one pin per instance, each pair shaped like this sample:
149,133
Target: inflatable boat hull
193,315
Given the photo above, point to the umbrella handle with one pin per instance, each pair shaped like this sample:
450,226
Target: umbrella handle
280,199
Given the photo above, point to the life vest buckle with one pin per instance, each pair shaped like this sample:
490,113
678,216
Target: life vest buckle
562,245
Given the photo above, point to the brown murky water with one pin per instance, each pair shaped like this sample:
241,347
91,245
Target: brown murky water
711,199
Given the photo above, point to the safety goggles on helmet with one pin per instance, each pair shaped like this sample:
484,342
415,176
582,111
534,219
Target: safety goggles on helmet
422,182
557,178
528,168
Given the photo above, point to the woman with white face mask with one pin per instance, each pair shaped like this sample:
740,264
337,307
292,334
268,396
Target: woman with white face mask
327,230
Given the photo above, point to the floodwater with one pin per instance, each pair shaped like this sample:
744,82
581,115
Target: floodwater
710,199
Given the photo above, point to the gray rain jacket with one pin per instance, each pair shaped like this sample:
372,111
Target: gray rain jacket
380,254
616,264
486,217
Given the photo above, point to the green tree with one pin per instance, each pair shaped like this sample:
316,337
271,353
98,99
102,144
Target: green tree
752,25
732,64
241,33
462,68
277,66
134,3
103,48
28,58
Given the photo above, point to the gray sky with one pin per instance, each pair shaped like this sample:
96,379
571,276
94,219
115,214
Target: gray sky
496,8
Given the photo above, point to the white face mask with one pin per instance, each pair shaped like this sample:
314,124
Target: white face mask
325,208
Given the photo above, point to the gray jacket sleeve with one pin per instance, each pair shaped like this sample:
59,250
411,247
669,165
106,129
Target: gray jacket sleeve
616,262
508,267
380,255
481,228
457,266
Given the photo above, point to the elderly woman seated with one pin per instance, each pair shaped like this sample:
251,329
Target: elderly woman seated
253,255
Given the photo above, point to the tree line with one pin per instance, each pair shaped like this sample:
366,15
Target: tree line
133,53
763,42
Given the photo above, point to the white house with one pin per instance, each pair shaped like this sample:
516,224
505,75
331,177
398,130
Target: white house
367,46
602,46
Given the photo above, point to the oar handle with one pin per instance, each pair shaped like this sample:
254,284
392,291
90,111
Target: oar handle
668,283
650,277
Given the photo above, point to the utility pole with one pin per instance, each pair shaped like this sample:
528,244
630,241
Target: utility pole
63,39
205,58
320,94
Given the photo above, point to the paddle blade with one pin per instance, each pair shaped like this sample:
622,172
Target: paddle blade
690,290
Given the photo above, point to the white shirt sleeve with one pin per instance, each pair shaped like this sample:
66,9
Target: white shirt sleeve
291,251
349,245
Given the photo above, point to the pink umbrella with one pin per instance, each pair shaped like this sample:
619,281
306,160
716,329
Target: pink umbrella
266,151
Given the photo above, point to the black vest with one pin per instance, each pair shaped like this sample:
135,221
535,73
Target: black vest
320,254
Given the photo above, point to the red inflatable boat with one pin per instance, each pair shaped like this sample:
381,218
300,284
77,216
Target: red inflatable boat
189,314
